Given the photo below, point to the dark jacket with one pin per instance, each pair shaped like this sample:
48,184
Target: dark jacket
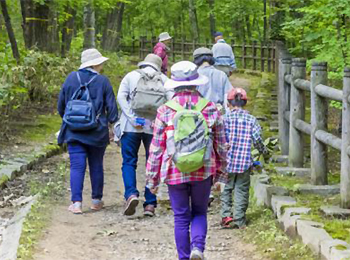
104,101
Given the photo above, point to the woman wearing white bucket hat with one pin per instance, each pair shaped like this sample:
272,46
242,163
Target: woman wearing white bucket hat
161,49
189,188
89,144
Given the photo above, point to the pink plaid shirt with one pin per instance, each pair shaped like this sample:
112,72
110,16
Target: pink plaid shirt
159,164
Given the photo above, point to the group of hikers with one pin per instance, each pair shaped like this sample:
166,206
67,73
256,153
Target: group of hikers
195,131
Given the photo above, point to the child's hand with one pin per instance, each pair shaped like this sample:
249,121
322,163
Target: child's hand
154,190
217,186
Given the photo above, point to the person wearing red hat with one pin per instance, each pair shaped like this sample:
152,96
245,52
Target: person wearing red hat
242,131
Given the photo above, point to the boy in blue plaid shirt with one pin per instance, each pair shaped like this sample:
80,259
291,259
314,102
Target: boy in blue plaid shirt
242,131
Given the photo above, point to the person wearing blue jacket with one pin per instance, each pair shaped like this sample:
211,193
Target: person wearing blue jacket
88,145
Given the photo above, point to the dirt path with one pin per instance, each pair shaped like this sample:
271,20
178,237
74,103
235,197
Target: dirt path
110,235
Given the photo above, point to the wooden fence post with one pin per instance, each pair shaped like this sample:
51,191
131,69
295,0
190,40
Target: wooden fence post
283,102
173,49
345,154
233,46
319,114
297,111
183,48
133,44
254,55
268,57
262,61
141,43
244,54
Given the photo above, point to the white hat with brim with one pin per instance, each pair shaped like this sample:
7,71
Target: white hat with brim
151,60
184,73
164,36
91,57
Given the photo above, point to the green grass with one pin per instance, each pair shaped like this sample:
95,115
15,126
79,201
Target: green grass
264,232
44,127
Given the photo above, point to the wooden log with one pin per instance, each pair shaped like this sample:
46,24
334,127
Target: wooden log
303,126
319,115
328,92
283,101
288,78
297,111
302,84
329,139
345,155
287,115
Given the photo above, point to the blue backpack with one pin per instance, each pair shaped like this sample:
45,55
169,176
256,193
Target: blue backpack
80,114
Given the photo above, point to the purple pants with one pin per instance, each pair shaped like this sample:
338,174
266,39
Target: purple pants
189,202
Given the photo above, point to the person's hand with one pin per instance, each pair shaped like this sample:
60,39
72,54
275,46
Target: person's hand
138,127
217,186
154,190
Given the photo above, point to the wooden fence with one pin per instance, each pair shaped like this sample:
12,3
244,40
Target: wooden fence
254,56
292,125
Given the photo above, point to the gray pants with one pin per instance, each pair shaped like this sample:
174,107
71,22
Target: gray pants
240,184
227,69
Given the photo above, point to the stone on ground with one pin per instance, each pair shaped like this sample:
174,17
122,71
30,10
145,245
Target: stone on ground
335,211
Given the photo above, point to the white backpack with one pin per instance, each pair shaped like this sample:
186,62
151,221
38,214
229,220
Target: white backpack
148,95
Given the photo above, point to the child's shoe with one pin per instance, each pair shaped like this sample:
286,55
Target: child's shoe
149,210
76,208
196,254
97,204
226,222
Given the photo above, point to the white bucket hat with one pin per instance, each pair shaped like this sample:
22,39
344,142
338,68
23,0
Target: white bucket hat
153,60
91,57
164,36
184,73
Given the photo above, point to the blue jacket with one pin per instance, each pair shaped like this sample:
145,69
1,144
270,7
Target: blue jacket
104,101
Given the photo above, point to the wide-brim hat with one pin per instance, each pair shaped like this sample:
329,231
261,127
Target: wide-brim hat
184,73
91,57
164,36
151,60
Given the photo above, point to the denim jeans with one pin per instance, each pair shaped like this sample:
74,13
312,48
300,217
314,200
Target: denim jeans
78,153
131,143
189,202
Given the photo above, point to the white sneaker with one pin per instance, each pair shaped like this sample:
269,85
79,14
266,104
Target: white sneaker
196,254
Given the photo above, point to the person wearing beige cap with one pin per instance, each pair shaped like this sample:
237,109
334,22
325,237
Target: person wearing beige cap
161,49
86,104
139,109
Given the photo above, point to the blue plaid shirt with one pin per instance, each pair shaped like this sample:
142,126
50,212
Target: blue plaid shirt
242,131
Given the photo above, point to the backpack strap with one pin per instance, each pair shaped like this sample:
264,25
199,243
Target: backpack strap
85,85
174,105
201,104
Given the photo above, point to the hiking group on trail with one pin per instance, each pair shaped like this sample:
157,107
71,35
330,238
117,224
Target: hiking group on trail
195,131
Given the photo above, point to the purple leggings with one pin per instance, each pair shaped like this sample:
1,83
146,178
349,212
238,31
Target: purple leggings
189,202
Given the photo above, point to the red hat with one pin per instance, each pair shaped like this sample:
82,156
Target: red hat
233,93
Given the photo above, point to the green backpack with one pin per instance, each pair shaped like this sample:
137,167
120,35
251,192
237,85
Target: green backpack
190,145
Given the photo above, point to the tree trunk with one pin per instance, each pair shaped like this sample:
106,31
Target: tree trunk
41,23
249,31
67,31
10,31
112,33
212,17
193,20
265,20
27,8
89,26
